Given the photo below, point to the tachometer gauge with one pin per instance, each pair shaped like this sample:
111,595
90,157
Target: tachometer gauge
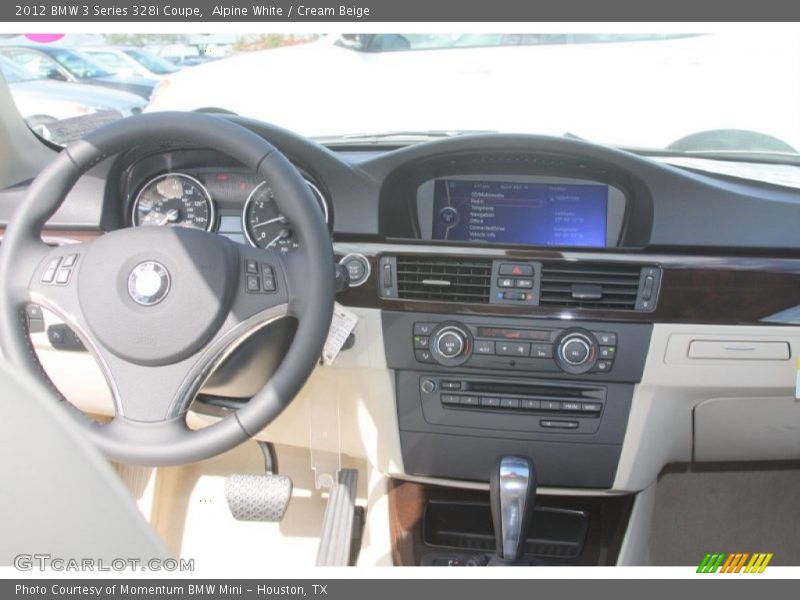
174,199
265,226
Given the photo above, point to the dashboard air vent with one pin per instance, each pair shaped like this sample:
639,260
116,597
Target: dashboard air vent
444,280
590,285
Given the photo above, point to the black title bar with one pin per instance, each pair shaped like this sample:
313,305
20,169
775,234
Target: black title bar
438,11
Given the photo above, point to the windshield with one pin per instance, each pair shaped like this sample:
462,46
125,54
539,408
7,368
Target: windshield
428,41
79,65
674,93
154,64
14,74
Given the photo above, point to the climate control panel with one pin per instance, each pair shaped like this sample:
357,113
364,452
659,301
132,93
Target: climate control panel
572,350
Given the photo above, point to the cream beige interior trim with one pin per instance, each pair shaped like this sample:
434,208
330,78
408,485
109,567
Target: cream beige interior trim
676,412
660,427
635,548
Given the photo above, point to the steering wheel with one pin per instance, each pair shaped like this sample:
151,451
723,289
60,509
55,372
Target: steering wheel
160,307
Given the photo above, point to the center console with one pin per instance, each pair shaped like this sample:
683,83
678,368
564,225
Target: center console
474,389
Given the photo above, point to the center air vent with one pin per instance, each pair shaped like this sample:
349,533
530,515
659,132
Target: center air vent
596,285
447,280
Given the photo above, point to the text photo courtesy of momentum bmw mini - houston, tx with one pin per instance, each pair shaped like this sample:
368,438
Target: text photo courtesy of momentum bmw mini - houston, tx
492,299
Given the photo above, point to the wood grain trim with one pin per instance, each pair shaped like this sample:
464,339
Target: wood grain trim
694,289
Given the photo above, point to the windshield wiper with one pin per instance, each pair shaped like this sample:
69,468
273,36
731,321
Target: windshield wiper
403,136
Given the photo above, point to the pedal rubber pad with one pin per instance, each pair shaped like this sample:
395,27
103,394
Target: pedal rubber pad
258,497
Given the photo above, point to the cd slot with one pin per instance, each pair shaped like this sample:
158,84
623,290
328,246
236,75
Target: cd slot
563,405
549,392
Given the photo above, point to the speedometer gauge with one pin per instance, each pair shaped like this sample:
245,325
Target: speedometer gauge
265,226
174,199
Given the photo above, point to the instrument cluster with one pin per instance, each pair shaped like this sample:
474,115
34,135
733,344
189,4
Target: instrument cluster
235,203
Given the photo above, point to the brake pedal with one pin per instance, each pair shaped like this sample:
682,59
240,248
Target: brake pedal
259,497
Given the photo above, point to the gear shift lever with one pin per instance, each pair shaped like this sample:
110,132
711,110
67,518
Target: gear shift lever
513,494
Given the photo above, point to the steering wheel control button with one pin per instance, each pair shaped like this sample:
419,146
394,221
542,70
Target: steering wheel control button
35,318
62,277
357,267
148,283
69,261
268,278
61,337
50,272
259,277
253,283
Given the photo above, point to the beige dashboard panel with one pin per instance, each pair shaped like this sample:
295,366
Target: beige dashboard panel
746,429
662,427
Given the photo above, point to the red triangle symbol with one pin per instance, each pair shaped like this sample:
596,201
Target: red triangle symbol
516,271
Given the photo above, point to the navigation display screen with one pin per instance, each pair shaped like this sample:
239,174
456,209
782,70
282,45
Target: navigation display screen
543,214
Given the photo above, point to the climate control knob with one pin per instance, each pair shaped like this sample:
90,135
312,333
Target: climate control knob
451,344
576,351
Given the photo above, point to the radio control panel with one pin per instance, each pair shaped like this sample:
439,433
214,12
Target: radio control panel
539,405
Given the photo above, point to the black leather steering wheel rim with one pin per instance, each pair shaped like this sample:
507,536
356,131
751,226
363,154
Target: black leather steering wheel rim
23,257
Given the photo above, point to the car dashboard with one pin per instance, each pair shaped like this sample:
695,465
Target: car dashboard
599,310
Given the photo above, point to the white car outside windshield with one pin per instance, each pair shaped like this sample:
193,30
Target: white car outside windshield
630,91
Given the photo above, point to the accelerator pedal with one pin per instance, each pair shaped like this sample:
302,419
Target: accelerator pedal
337,539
